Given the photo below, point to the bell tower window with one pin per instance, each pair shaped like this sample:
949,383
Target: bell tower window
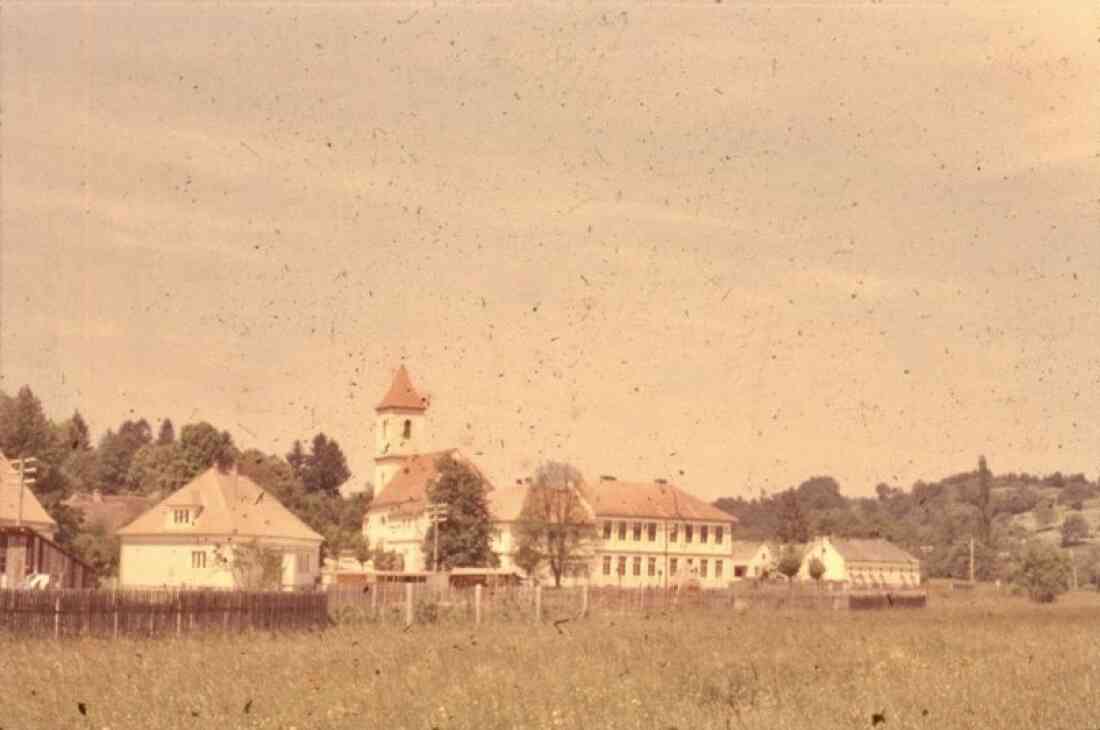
408,430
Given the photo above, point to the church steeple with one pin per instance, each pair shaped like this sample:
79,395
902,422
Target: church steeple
399,426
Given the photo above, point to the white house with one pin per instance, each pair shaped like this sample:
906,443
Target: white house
862,563
753,559
202,535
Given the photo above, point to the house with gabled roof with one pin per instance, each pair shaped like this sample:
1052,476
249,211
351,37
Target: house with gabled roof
754,558
656,534
109,511
397,519
19,507
873,563
198,537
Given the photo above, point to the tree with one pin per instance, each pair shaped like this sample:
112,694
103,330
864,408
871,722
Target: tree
789,562
326,468
984,501
1044,572
24,428
78,437
554,526
1075,530
254,566
204,446
817,569
116,451
387,560
465,538
158,468
793,523
99,548
167,433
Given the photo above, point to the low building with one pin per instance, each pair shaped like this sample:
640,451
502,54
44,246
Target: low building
216,532
655,534
862,563
109,511
29,559
753,559
18,505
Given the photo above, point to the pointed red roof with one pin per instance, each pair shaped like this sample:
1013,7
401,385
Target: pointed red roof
402,394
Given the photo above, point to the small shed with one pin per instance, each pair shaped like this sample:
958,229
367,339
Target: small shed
27,555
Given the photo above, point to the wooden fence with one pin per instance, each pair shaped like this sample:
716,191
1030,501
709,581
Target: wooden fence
63,613
404,604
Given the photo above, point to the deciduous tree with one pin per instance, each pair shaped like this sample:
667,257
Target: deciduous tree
465,539
555,528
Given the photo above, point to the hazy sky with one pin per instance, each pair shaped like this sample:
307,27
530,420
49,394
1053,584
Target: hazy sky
748,242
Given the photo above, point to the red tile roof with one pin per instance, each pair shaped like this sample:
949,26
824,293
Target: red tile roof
612,498
402,394
407,489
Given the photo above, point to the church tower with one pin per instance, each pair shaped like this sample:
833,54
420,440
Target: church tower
398,428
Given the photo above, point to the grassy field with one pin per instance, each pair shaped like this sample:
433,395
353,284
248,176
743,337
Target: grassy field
968,662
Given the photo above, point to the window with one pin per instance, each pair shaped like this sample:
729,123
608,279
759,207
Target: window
607,562
407,432
198,559
652,567
717,568
672,532
622,565
673,566
607,530
653,532
703,533
689,531
622,530
181,516
703,568
717,535
637,532
739,571
637,566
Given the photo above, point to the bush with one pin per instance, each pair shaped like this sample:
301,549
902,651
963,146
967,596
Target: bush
1044,572
1074,530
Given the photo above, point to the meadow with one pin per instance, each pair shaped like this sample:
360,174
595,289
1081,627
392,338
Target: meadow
968,661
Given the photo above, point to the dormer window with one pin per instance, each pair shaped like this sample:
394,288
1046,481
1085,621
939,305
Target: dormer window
181,516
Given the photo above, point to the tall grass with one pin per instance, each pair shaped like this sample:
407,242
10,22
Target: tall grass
966,662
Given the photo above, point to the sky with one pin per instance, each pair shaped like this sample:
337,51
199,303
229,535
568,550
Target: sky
731,244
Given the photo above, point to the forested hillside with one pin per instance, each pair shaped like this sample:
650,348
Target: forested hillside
936,520
131,459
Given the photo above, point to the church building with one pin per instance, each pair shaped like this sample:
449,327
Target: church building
397,520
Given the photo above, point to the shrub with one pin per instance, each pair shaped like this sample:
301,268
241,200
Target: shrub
789,563
817,569
1044,572
1074,530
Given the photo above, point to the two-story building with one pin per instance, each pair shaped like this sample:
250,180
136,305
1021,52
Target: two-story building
656,534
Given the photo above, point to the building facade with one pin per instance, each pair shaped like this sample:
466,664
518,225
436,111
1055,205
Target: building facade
654,534
218,531
862,563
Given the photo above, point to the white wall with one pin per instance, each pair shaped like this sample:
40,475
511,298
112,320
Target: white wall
158,562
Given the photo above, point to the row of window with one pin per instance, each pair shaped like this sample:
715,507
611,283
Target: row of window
621,563
650,529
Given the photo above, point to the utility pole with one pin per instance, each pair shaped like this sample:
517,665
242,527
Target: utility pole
28,467
437,513
971,560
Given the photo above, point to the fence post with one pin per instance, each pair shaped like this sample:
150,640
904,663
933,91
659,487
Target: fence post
374,600
477,605
538,604
584,600
57,617
114,599
179,615
408,604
